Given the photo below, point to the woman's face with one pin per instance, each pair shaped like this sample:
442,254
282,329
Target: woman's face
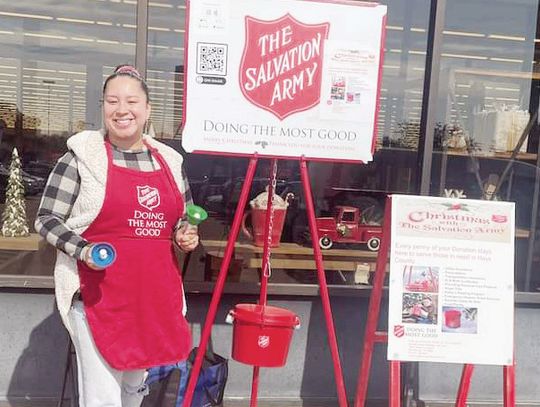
125,110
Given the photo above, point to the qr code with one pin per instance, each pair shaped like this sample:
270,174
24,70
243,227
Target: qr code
211,59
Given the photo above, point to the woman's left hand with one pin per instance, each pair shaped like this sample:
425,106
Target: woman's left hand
187,238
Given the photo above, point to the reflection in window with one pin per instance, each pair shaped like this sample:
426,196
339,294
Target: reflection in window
166,65
487,104
403,74
487,67
51,70
394,166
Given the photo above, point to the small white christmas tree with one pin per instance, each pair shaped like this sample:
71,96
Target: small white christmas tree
14,216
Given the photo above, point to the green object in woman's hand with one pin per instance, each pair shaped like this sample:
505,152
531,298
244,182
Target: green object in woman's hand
195,214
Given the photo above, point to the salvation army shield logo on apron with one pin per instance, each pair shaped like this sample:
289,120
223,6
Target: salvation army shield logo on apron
148,197
281,66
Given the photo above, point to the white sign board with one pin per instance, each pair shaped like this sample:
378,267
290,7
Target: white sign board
451,281
283,78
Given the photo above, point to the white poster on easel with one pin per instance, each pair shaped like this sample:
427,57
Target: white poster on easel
283,78
451,281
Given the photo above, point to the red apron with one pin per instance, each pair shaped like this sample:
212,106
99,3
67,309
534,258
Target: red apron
134,307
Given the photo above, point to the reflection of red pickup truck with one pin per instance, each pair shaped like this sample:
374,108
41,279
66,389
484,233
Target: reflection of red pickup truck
347,227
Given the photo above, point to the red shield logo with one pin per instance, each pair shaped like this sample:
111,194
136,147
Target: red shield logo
399,331
148,197
281,67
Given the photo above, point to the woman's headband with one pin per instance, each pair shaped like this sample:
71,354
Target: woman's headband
129,70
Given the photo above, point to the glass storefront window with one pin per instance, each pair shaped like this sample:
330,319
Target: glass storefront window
488,97
165,70
394,168
53,60
404,61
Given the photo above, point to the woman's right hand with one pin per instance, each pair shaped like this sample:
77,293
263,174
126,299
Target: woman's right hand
88,258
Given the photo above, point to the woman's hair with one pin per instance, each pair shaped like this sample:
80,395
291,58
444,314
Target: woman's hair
131,71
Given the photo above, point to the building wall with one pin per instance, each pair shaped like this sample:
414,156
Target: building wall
33,347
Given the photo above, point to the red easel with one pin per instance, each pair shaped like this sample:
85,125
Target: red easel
218,290
509,385
373,336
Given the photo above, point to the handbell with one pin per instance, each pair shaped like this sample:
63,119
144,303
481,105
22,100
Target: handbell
103,254
195,214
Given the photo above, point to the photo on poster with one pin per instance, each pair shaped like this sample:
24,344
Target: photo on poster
337,92
423,279
461,320
419,308
353,97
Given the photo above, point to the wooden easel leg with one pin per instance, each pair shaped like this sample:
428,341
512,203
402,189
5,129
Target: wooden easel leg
338,374
509,383
371,336
218,290
464,385
395,384
265,267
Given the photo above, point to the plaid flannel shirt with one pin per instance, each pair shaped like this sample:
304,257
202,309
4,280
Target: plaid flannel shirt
63,188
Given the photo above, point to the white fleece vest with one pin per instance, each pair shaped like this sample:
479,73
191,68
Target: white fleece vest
89,149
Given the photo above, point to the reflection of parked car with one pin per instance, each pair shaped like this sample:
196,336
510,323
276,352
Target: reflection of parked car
208,192
33,185
219,194
39,168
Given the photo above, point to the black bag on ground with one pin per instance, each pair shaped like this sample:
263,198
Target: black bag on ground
167,384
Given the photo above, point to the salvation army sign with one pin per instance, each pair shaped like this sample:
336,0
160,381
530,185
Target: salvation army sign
281,66
283,78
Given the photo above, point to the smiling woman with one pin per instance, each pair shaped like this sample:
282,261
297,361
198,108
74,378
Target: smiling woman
116,313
